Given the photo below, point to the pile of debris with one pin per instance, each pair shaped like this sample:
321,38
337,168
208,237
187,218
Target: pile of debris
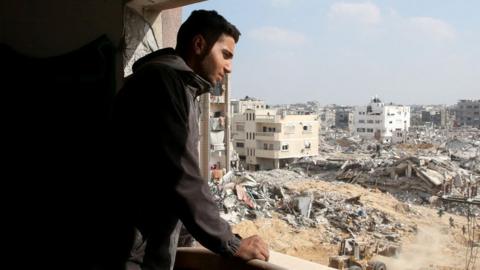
264,194
432,165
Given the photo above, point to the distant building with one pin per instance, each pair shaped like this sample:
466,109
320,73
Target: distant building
240,106
436,115
266,140
343,117
383,122
467,113
327,118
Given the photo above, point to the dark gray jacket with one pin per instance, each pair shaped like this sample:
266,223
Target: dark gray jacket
156,119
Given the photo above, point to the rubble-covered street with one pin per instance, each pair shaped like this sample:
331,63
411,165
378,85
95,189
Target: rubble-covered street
405,200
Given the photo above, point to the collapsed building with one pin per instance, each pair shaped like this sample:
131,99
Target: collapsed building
434,166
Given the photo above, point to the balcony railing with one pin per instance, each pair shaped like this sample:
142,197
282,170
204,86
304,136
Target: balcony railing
265,134
266,118
272,136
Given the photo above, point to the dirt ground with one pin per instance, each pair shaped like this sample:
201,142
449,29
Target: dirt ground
435,245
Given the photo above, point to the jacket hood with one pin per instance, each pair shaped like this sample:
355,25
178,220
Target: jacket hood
169,58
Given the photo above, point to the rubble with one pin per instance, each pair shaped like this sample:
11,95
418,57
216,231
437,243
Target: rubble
432,163
428,168
264,194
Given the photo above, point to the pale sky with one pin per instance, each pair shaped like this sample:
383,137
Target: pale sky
345,52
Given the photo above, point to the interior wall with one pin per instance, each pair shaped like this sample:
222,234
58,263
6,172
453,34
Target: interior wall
54,27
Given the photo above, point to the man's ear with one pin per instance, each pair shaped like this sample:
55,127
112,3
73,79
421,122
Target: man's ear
199,44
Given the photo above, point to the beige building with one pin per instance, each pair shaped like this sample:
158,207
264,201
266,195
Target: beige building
241,105
266,140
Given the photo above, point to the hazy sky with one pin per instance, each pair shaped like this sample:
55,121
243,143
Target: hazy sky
344,52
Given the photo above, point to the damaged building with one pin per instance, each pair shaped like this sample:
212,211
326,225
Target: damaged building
467,113
266,140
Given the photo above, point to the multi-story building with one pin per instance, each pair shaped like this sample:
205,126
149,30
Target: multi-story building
435,115
343,117
239,106
388,123
267,140
215,145
327,118
467,113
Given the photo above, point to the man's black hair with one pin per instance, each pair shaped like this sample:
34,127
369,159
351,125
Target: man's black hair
207,23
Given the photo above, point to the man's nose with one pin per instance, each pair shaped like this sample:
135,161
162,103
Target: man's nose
228,67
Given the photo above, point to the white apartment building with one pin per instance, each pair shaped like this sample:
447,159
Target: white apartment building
388,123
240,106
266,140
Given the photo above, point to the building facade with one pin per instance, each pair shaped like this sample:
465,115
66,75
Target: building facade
467,113
266,140
241,105
343,117
388,123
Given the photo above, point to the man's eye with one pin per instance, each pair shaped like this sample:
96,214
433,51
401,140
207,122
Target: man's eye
227,55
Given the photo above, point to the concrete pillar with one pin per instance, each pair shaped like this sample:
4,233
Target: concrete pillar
204,145
227,123
276,163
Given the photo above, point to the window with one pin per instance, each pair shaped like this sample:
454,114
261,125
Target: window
370,121
307,144
377,121
360,130
240,127
369,129
240,145
284,147
361,121
270,146
265,146
390,122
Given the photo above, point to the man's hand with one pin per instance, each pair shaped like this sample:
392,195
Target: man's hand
251,248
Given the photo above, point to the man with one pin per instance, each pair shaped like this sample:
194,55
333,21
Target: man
156,121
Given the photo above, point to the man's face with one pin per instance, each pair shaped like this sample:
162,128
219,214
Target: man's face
218,62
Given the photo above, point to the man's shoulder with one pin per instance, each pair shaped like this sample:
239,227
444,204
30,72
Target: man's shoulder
158,68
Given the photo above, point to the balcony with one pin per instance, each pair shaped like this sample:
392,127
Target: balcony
267,118
267,135
261,153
